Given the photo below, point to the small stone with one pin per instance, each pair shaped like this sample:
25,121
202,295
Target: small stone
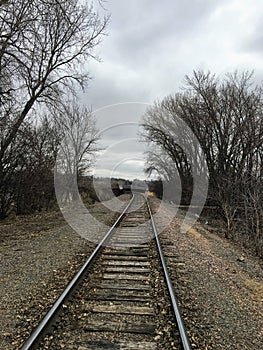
241,258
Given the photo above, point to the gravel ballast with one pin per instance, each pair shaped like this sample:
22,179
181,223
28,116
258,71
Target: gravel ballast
219,285
39,256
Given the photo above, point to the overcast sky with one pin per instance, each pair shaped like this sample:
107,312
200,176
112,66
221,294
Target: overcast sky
150,47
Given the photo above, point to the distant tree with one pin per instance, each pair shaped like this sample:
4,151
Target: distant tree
78,146
159,162
178,148
162,129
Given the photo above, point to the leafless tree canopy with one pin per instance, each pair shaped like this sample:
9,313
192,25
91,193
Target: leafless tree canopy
44,49
79,136
44,46
226,118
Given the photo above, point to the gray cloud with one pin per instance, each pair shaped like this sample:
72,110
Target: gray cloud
144,29
256,43
254,39
152,45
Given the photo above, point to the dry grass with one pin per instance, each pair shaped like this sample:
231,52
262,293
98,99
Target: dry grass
255,287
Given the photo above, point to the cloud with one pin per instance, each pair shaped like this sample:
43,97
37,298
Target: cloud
129,169
120,142
123,157
146,39
151,27
152,45
253,40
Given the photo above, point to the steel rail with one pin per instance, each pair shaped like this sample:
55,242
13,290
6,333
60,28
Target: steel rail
177,314
45,323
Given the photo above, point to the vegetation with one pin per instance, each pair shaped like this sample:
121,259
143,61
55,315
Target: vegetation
226,118
43,47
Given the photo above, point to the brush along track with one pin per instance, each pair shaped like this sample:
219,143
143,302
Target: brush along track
122,302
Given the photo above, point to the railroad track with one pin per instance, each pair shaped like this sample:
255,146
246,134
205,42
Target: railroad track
122,297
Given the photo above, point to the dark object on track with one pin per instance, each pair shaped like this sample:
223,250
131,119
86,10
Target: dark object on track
127,186
139,186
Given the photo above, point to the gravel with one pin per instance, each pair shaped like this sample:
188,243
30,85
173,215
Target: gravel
219,287
73,332
39,256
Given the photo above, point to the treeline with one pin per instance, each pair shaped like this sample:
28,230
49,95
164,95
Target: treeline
26,183
225,116
44,49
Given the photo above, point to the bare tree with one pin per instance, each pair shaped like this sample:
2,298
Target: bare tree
78,146
44,48
158,124
226,118
158,161
58,38
164,127
33,179
28,174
